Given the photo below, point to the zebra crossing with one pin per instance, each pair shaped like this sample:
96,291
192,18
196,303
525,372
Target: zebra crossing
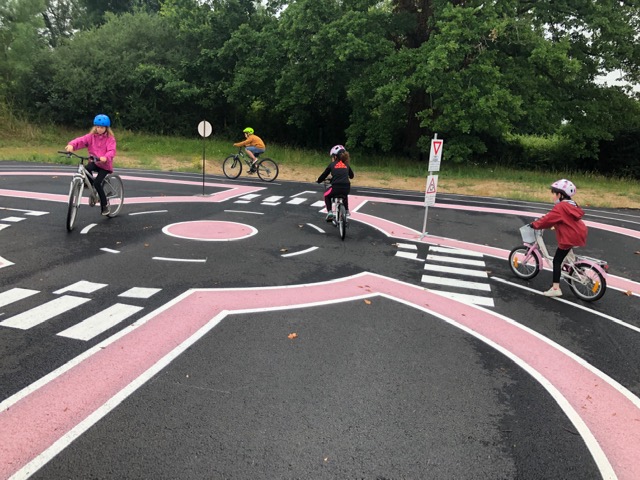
307,197
92,326
452,272
17,216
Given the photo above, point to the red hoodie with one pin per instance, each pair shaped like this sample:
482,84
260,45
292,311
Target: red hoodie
565,216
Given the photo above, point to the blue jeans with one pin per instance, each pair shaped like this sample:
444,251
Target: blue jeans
255,150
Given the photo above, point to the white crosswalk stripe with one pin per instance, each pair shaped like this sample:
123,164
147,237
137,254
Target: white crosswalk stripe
452,272
14,295
100,322
95,324
44,312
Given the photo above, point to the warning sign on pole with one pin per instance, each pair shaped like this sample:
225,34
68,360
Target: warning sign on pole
435,155
431,190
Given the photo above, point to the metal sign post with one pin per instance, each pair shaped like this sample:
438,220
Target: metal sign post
204,129
435,156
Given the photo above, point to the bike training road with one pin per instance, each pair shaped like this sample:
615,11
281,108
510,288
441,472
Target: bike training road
221,329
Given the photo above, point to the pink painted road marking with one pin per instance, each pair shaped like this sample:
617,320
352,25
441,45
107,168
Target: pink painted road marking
396,230
36,425
210,230
391,229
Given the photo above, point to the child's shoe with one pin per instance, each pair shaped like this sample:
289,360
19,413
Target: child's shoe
553,292
329,217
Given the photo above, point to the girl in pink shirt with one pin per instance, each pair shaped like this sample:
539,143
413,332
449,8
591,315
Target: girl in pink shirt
101,145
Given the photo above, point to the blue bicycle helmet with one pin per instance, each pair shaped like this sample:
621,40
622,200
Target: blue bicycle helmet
101,121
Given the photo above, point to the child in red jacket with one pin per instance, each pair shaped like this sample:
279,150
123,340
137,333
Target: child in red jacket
566,218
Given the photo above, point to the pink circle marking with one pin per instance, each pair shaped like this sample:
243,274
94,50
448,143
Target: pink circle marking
210,230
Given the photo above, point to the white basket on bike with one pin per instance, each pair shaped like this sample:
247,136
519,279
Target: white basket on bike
528,234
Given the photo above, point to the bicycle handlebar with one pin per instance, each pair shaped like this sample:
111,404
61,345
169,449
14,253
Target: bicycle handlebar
72,154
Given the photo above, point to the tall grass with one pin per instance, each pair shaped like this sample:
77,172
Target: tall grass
22,141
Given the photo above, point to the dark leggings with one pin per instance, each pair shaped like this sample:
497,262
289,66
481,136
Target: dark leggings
336,191
558,258
97,181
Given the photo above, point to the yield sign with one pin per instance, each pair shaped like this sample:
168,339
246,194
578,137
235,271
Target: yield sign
437,144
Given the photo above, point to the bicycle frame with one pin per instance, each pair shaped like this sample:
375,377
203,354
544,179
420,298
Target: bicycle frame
539,249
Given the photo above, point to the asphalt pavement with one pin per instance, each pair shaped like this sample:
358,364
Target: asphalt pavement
224,330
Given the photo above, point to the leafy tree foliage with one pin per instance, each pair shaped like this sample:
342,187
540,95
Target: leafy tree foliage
20,42
381,76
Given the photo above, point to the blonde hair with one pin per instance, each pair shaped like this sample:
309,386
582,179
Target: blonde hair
108,131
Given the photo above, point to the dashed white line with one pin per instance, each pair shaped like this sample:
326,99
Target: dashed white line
193,260
461,261
300,252
44,312
100,322
455,270
82,287
14,295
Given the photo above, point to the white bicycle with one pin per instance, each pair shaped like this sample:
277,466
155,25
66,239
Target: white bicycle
112,186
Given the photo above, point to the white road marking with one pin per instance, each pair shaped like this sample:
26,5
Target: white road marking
14,295
13,219
140,292
242,201
3,226
82,287
581,307
44,312
166,259
250,196
244,211
407,246
297,201
300,252
100,322
109,250
455,270
474,299
316,227
409,255
87,228
452,282
145,213
461,261
455,251
319,203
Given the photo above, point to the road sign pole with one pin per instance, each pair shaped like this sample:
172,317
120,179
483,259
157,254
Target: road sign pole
435,156
204,129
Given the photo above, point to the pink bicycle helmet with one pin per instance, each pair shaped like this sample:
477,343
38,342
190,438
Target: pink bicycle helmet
337,150
564,186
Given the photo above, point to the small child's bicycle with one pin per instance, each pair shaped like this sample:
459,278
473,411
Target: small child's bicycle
112,185
266,168
586,276
339,211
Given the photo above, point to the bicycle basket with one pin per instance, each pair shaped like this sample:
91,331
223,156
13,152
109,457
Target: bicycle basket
528,234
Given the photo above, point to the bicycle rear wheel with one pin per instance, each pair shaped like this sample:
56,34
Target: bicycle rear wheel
341,212
232,166
523,266
114,190
587,283
267,170
75,196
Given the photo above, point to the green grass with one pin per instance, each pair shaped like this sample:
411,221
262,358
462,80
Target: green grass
25,142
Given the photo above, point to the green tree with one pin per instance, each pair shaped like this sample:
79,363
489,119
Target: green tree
20,42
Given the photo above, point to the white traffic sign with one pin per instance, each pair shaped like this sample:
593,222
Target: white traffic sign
431,190
435,155
204,128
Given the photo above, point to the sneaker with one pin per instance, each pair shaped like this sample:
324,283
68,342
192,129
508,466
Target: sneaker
105,210
553,292
329,217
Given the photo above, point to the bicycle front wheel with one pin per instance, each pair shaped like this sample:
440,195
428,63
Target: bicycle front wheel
114,190
267,170
342,220
232,166
587,283
523,265
75,197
